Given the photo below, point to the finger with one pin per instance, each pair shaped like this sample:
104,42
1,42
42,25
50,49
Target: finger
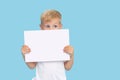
66,47
25,51
28,50
66,50
25,46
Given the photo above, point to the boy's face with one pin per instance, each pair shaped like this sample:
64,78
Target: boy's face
53,24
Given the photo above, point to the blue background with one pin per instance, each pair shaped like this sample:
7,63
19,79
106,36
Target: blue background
94,32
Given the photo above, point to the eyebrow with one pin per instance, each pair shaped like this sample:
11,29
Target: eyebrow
58,23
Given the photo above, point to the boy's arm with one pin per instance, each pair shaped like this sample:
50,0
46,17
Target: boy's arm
68,64
25,49
31,65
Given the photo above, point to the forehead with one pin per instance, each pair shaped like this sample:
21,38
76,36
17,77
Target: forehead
55,20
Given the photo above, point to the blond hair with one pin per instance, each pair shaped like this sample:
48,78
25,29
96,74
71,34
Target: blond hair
50,14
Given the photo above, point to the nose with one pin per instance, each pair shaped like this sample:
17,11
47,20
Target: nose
52,28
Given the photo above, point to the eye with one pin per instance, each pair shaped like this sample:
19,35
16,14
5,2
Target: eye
55,26
47,26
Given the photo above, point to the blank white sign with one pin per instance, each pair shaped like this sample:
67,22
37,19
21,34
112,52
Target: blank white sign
46,45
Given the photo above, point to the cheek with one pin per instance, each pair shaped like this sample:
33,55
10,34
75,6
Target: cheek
43,28
60,27
46,28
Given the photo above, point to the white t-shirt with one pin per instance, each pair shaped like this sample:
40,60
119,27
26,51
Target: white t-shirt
50,71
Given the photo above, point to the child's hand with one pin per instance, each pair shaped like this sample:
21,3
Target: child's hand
25,49
69,49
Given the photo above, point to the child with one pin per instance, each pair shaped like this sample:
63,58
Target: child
50,20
